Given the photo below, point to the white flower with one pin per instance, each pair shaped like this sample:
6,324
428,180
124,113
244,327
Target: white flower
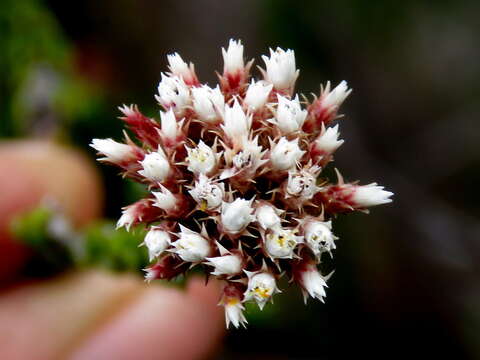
327,142
249,158
234,312
303,183
261,287
226,264
285,154
370,195
181,69
207,194
233,57
191,246
319,236
202,159
237,215
171,128
164,199
257,95
208,103
313,283
173,93
114,152
280,69
335,98
128,217
267,217
155,166
280,243
236,124
156,241
290,116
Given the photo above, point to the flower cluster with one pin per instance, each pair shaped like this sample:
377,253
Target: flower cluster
235,178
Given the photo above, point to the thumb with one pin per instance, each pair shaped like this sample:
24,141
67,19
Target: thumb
32,170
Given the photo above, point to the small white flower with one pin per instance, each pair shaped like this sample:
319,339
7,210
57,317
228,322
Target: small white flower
290,116
155,166
335,98
370,195
156,241
257,95
250,158
114,152
171,128
261,287
208,103
191,246
128,217
319,236
173,93
236,124
226,264
181,69
267,217
313,283
201,159
165,199
327,142
207,194
303,183
237,215
234,312
233,57
280,69
285,154
280,243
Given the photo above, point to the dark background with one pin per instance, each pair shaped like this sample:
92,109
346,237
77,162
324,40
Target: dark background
407,276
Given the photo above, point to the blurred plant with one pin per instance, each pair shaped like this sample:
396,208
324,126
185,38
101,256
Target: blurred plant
57,246
40,90
241,162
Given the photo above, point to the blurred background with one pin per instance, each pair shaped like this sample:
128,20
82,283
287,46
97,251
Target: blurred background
407,279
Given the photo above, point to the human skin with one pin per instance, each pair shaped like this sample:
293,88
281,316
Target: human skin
92,314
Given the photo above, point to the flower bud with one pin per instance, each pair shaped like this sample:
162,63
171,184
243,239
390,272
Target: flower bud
141,210
201,160
290,116
165,199
171,129
236,124
166,268
115,152
285,154
326,143
144,128
191,246
179,68
232,301
155,166
267,217
173,94
236,215
156,241
207,194
280,243
280,70
208,104
226,264
325,108
311,281
233,58
257,95
319,236
261,287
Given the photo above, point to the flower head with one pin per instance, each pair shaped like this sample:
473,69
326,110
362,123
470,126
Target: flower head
243,159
